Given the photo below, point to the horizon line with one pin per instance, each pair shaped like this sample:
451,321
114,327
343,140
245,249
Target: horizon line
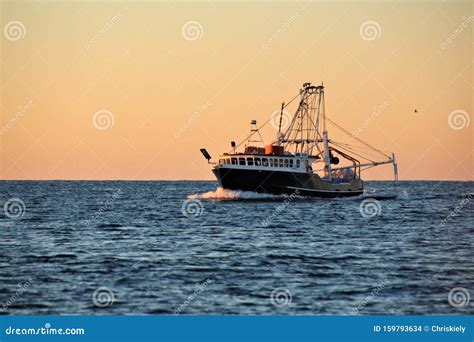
211,180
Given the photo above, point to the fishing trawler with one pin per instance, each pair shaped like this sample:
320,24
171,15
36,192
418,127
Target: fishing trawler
302,159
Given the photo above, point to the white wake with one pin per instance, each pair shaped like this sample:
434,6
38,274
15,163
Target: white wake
224,194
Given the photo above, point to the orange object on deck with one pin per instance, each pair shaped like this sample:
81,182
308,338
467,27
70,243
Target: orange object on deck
274,150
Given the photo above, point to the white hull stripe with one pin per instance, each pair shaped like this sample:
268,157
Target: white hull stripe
314,190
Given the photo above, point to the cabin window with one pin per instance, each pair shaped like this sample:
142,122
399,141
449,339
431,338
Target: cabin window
257,162
271,162
297,163
241,161
234,161
281,162
249,161
227,161
291,163
264,161
286,162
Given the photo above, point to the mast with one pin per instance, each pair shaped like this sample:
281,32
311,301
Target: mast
279,125
327,152
303,134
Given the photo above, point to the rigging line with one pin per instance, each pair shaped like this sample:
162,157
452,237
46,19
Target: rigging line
287,104
263,125
367,167
268,120
349,147
357,154
348,150
372,155
355,146
247,138
363,142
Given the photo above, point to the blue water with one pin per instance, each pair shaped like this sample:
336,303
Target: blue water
120,247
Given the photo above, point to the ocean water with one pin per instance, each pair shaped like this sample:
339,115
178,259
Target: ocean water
119,247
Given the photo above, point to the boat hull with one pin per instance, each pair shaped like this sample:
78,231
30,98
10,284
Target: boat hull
284,182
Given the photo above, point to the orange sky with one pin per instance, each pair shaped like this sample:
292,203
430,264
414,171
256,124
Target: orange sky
167,78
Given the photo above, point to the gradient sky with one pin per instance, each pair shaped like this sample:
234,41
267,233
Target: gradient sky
175,76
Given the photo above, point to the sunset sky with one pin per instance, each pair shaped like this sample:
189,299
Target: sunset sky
132,90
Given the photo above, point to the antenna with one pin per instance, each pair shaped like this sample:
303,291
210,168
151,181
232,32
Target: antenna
281,116
254,129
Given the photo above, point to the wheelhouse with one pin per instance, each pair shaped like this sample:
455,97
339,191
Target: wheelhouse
288,163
